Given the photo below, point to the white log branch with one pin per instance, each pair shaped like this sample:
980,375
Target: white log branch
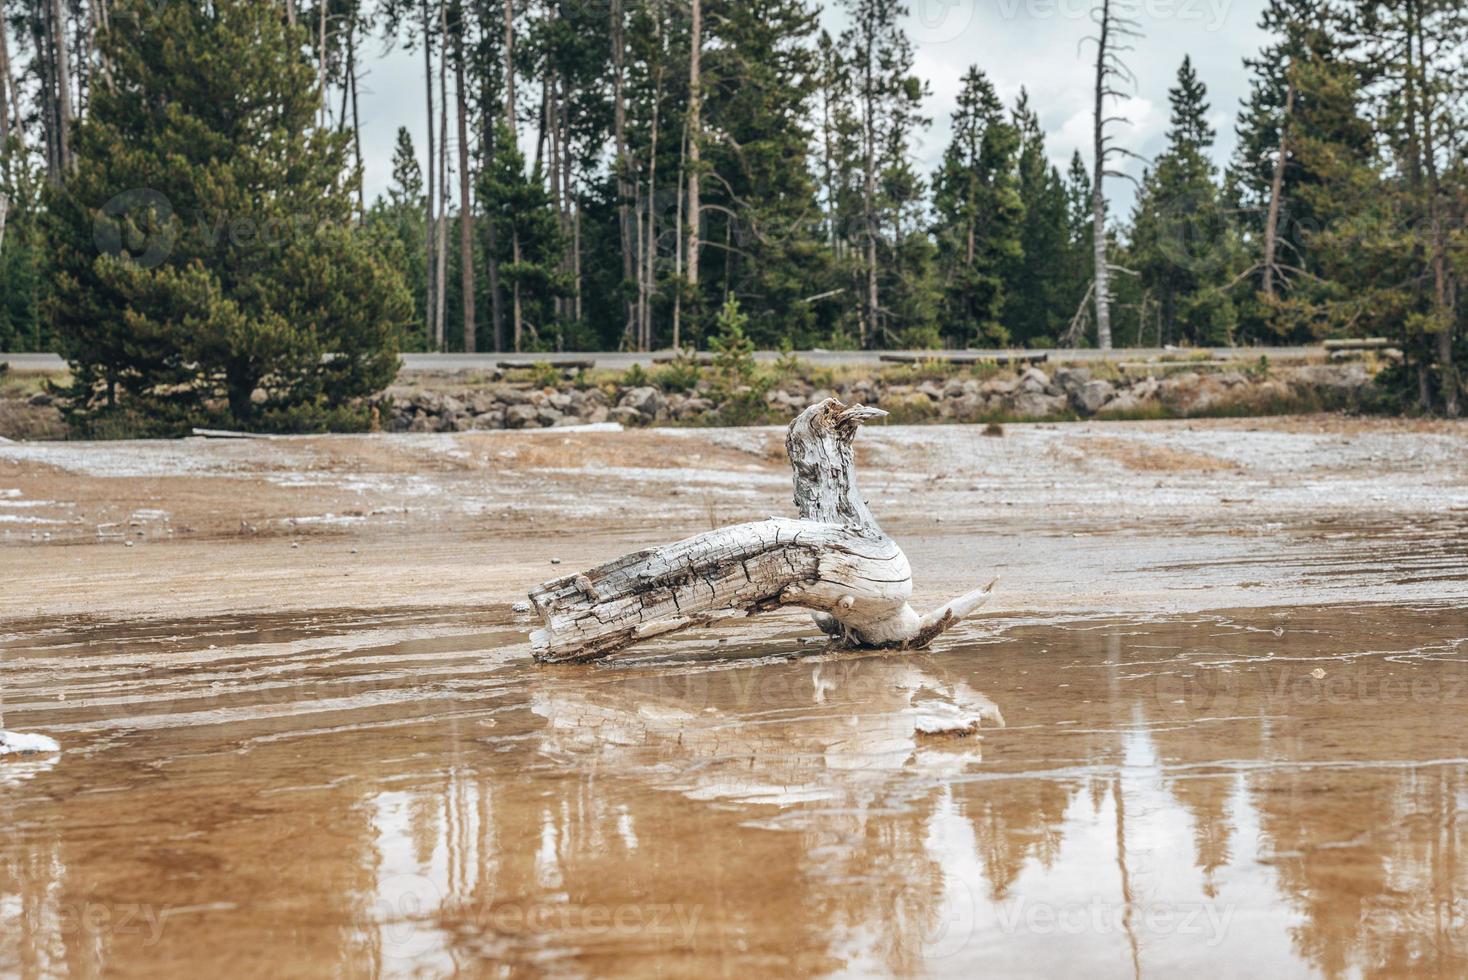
835,561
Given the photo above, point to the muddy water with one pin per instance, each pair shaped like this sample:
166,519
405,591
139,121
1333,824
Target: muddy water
342,794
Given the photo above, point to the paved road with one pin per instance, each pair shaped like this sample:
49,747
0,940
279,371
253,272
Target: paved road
824,358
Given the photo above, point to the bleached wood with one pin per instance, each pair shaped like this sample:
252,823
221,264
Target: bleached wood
835,560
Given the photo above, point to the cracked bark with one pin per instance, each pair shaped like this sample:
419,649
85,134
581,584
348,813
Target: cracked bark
835,561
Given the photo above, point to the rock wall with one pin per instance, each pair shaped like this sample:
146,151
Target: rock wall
1068,393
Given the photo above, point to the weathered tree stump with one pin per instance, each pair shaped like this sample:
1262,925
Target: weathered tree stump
835,561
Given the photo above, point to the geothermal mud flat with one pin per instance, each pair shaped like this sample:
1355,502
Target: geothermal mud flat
1214,707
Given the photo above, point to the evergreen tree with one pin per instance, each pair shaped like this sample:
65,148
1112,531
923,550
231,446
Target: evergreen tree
520,206
203,260
21,326
976,196
760,83
1038,290
1392,209
882,116
1182,245
400,216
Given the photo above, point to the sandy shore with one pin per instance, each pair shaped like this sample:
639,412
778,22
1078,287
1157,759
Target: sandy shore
1109,517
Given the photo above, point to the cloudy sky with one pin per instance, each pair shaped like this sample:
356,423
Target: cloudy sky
1033,44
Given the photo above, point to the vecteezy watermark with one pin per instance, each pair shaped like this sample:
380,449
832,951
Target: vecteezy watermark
98,920
1198,920
136,225
671,921
408,905
1211,14
939,21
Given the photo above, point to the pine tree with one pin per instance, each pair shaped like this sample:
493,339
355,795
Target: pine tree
521,207
1182,245
223,279
980,212
760,86
1038,283
399,215
21,326
885,112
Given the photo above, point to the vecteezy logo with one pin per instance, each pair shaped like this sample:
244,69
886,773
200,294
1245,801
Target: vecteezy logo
136,225
404,904
940,21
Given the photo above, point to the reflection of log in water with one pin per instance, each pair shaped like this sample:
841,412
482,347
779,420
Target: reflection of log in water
842,730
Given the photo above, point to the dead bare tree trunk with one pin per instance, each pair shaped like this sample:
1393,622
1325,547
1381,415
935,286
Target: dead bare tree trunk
4,210
835,560
1276,191
1113,31
1102,291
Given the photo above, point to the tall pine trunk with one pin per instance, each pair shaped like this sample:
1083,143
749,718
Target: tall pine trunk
1276,189
466,209
1102,271
7,85
695,153
63,87
491,231
443,182
869,324
619,130
517,312
356,119
431,202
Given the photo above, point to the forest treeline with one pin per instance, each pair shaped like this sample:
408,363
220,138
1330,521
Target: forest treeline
182,212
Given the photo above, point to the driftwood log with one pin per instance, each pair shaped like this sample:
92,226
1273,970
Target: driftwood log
835,560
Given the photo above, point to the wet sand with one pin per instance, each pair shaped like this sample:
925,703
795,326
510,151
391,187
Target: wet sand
1216,712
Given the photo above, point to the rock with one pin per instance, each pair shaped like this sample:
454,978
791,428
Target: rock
482,402
1036,404
422,423
999,387
1349,378
969,407
596,414
40,399
646,401
1090,397
511,395
1070,379
490,420
626,415
1034,380
931,390
1124,403
563,401
522,417
1146,388
460,423
450,405
548,416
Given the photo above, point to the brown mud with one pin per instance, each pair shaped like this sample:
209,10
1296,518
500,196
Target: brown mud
1216,712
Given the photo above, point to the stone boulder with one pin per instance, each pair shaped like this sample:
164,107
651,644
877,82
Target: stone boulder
1090,397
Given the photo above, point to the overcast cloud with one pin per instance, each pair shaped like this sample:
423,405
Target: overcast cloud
1033,44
